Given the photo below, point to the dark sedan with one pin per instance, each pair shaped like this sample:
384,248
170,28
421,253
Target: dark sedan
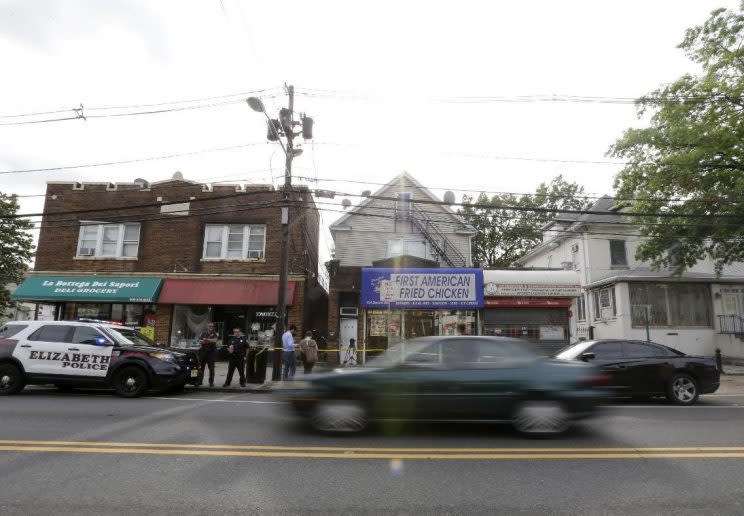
644,369
491,379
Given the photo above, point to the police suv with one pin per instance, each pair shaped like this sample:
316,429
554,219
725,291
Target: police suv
89,354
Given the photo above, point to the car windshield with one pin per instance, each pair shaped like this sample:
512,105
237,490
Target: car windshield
574,350
130,337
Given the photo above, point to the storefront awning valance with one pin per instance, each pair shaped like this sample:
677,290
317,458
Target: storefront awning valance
223,292
93,289
527,283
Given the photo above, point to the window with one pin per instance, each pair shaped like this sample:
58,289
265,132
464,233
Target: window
88,335
618,256
9,330
398,247
109,240
51,333
639,350
403,205
607,351
670,304
604,303
234,241
581,308
576,257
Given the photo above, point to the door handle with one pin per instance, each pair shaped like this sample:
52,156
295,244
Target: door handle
73,349
25,345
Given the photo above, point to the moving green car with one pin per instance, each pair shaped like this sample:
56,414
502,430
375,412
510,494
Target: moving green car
459,378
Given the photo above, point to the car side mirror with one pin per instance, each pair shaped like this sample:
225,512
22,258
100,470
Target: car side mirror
586,357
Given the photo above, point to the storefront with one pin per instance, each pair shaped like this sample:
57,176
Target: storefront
402,304
246,304
127,300
531,305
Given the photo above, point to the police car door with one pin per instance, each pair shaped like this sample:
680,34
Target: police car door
88,353
41,352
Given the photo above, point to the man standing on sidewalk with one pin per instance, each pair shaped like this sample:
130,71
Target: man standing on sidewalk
207,352
288,350
237,348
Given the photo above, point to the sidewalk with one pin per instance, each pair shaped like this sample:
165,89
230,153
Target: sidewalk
220,374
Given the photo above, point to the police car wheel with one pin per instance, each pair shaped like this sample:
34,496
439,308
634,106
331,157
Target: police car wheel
11,379
130,382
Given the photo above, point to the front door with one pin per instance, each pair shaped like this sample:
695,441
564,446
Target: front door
88,353
347,331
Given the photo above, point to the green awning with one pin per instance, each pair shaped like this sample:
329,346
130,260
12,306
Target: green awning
95,289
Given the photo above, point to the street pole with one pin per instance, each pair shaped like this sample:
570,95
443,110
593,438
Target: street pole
281,308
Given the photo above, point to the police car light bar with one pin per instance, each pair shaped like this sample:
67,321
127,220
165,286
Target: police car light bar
100,321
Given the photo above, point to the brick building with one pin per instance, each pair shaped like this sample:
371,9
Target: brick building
170,256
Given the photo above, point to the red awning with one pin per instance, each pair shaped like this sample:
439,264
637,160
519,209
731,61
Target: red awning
223,292
527,302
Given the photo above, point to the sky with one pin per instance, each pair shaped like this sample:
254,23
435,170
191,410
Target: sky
389,85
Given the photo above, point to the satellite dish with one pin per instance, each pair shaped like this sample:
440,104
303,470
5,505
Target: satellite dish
449,198
366,193
178,176
346,203
142,182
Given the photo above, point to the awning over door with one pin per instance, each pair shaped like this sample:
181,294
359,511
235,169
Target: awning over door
93,289
223,292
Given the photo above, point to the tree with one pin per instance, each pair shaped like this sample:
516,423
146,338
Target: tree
16,248
505,234
688,164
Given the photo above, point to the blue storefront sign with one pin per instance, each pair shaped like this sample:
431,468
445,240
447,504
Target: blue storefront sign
422,288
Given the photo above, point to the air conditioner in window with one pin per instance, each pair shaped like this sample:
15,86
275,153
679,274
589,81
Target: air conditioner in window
87,251
568,266
606,313
349,311
575,248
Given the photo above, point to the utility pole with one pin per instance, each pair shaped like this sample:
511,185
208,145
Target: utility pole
277,128
281,309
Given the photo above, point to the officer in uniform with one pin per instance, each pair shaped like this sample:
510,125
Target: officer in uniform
207,352
237,348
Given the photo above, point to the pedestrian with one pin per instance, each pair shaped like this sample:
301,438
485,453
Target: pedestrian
322,345
237,347
309,349
207,352
288,350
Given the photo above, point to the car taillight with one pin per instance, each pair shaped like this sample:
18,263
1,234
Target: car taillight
596,380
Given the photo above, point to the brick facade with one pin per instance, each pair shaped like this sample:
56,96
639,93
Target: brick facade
171,245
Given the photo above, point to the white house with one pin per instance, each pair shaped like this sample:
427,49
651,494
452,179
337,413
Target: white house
696,313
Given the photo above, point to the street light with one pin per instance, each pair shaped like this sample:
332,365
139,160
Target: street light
256,104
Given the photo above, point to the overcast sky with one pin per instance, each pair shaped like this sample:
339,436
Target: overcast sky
379,78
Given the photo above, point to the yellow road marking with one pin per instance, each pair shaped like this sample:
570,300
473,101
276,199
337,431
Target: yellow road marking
348,455
349,449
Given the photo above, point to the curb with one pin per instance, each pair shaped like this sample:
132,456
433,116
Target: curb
263,389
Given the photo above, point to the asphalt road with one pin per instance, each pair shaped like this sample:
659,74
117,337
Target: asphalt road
198,453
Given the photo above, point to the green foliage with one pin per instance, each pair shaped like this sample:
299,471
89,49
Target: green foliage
504,234
16,248
690,160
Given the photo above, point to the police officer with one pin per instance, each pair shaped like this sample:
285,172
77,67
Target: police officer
207,352
237,347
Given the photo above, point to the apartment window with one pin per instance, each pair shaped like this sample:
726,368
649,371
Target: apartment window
234,241
108,240
618,256
398,247
581,308
670,304
604,303
576,257
403,205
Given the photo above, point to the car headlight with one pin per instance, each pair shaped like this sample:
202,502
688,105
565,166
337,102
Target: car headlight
165,357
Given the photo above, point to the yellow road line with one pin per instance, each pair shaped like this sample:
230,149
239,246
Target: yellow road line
349,449
430,456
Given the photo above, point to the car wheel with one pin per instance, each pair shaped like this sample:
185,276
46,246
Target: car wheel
130,382
541,418
11,379
683,389
339,416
